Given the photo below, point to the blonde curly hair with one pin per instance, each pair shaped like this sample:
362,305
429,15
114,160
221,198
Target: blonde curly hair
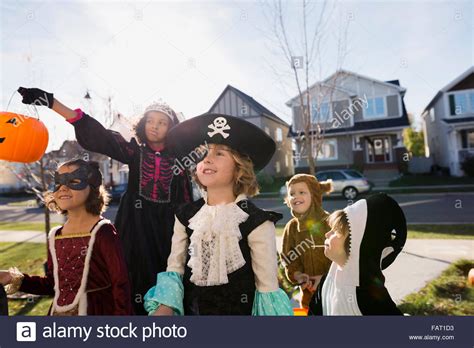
245,180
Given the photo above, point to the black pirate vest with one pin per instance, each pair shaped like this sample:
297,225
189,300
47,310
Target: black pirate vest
237,296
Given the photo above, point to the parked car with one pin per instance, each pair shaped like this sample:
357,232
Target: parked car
348,182
117,192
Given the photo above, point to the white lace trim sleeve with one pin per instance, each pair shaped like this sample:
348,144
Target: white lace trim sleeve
214,248
179,248
262,242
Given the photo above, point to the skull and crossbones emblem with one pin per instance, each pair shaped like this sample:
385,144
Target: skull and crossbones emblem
218,127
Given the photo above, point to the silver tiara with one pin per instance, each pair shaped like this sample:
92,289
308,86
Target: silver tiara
163,108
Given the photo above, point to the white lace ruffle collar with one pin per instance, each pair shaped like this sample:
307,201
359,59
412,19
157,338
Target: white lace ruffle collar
214,244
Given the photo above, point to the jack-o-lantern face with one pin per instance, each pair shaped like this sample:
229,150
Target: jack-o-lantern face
22,138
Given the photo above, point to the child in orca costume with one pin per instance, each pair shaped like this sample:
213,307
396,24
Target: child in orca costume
364,239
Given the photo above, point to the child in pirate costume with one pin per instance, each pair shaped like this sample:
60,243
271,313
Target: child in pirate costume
86,271
223,258
304,263
145,216
365,238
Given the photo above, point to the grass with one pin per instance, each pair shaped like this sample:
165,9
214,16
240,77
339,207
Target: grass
29,258
28,203
464,231
425,180
24,226
449,294
429,231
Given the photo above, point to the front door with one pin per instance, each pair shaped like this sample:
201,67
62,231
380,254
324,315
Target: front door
378,149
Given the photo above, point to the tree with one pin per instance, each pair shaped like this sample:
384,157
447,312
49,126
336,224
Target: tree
414,142
37,178
304,57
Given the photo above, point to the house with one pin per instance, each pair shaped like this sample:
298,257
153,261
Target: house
112,170
9,181
236,103
361,121
448,124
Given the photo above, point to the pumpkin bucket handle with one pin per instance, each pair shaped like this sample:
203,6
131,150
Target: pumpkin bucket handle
10,100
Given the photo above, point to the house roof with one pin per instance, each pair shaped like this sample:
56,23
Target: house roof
458,120
448,87
391,83
259,108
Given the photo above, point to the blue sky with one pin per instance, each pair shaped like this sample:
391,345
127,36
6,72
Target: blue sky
187,52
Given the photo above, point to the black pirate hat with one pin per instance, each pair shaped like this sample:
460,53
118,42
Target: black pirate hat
236,133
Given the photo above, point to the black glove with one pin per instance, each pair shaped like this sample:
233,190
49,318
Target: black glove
36,96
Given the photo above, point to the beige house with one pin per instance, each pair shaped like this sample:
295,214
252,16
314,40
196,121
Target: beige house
236,103
448,124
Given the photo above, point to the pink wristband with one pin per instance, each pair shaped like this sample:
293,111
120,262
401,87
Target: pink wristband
78,116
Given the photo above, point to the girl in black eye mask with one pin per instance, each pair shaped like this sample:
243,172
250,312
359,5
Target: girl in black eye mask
86,273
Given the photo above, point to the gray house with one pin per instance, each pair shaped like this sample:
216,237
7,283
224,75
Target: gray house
236,103
362,120
448,122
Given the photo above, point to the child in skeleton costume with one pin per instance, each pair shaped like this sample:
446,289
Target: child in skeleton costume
223,258
365,238
145,216
86,271
304,263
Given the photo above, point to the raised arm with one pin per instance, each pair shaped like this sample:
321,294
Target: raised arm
90,134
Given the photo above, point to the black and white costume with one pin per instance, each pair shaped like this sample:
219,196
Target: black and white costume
378,232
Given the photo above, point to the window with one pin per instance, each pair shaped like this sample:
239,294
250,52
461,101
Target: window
335,176
286,160
279,135
470,139
328,150
267,130
375,108
461,103
353,174
356,145
378,150
432,115
321,176
322,115
277,166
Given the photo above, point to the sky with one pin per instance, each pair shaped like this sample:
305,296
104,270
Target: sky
186,52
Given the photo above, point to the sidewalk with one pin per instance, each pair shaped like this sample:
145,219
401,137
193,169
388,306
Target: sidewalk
395,189
23,236
421,261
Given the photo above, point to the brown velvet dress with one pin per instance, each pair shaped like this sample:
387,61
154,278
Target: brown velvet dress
86,277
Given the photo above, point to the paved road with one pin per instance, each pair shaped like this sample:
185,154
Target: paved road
433,208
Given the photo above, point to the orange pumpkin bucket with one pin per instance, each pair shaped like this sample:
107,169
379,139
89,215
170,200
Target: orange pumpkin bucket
22,138
300,312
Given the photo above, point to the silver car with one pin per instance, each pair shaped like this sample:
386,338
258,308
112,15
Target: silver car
348,182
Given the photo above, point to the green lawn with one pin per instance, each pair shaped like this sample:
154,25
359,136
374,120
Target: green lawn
27,203
24,226
429,231
449,294
29,258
